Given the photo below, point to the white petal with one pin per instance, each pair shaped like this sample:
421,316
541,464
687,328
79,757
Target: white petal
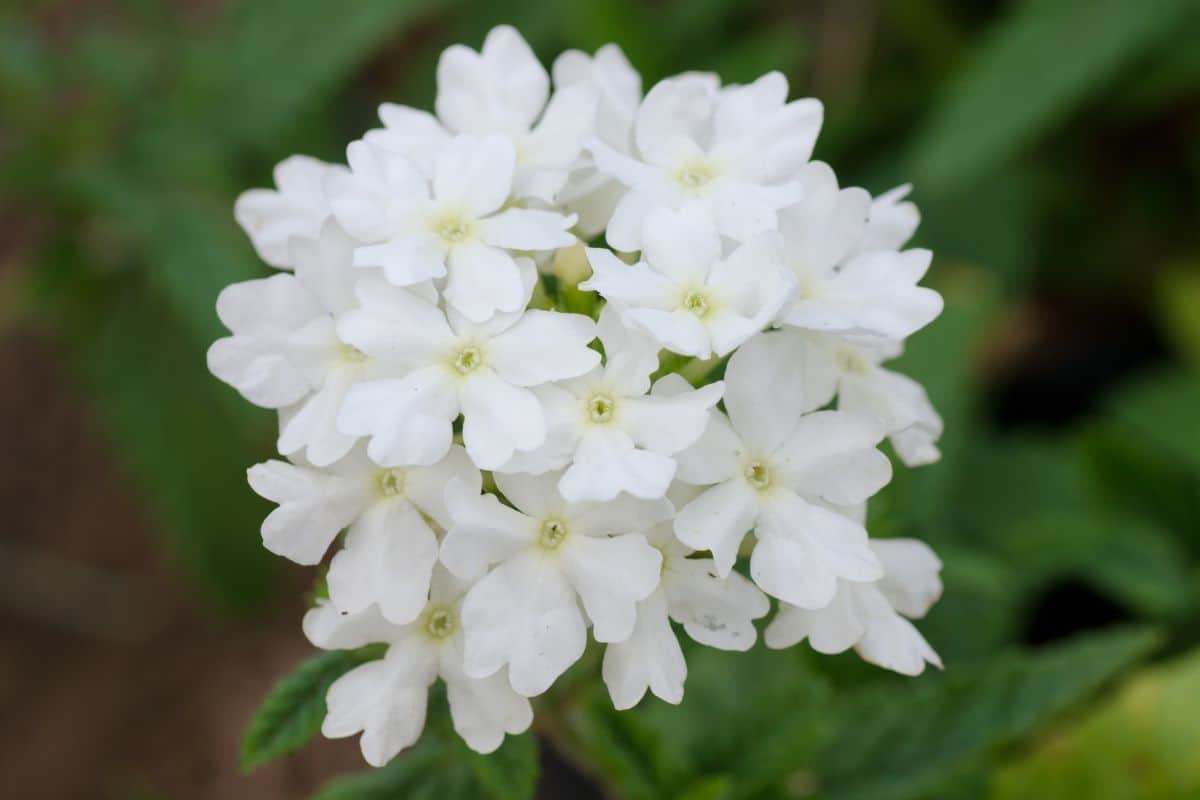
406,259
744,210
910,582
718,520
475,173
630,354
831,456
672,110
631,285
410,132
569,118
408,419
624,230
483,531
903,408
482,709
715,611
678,331
373,699
544,346
329,629
501,88
483,280
891,641
892,222
650,659
524,614
313,507
534,495
324,266
766,391
425,487
499,418
388,559
832,629
395,325
825,227
527,229
607,463
273,218
622,514
681,245
804,549
611,574
309,426
669,424
715,457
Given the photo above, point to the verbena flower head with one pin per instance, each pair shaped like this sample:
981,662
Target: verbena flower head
500,465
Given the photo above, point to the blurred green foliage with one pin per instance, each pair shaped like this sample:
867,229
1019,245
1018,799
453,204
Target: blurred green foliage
1055,151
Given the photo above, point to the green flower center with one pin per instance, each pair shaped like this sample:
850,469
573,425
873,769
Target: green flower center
853,362
390,482
552,533
353,354
600,408
452,228
440,623
695,175
697,303
468,359
758,475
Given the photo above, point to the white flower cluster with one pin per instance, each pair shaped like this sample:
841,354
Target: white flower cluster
509,475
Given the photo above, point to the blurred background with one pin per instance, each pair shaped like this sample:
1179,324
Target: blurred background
1054,146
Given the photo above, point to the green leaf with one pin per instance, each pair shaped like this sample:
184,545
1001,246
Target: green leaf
441,767
1141,743
292,711
1037,66
897,741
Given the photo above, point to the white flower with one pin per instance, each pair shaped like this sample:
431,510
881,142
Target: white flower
446,365
715,611
590,193
297,207
870,617
550,557
851,370
775,468
390,548
386,699
453,227
843,289
500,90
735,151
614,437
689,298
285,353
892,221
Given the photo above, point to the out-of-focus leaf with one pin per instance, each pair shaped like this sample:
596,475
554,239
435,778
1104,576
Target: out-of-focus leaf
273,58
1036,67
1142,743
896,741
185,439
1178,294
293,710
771,699
440,767
1162,408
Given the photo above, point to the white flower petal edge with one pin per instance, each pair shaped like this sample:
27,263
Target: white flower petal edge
870,617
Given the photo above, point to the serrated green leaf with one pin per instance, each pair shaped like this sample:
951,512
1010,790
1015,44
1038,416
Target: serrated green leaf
897,741
441,766
1037,66
292,711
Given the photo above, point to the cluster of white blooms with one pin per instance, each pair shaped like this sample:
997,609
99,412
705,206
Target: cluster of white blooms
508,475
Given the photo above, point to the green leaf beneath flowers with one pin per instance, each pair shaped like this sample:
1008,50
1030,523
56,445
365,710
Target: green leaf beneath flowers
440,766
899,741
292,712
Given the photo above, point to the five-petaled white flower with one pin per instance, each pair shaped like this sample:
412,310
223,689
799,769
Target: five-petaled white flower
390,548
689,298
386,699
735,151
550,556
447,365
715,611
870,617
457,229
842,289
776,469
613,435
